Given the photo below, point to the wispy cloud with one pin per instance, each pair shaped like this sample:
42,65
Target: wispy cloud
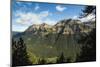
90,17
36,7
60,8
19,28
75,17
50,22
23,20
30,18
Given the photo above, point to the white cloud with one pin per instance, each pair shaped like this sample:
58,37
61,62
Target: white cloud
32,18
50,22
19,28
19,3
36,7
75,17
60,8
28,18
90,17
44,14
24,20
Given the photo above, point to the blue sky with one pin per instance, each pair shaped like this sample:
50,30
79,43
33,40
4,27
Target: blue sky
25,14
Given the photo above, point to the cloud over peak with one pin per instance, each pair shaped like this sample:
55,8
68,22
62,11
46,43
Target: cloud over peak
60,8
90,17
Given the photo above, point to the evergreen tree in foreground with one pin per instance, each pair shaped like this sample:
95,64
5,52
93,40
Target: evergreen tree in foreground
61,58
19,56
41,61
88,42
88,52
88,10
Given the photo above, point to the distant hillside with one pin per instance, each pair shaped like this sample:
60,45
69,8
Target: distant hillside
14,32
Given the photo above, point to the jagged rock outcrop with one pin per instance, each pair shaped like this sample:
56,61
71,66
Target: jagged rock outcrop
65,27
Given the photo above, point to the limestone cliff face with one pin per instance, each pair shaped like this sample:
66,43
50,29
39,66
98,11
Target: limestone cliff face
68,26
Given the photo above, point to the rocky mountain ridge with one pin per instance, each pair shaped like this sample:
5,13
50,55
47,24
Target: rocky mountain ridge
68,26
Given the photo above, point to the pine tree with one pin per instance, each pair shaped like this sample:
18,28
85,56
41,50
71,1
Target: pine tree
88,10
68,60
61,58
88,52
20,57
41,61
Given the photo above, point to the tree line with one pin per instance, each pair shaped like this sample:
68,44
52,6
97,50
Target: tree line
20,56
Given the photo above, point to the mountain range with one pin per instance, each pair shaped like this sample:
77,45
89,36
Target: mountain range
68,26
48,41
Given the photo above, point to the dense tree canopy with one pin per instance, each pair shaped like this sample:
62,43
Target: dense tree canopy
20,56
88,52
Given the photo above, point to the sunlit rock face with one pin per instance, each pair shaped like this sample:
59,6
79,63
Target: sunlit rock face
66,27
